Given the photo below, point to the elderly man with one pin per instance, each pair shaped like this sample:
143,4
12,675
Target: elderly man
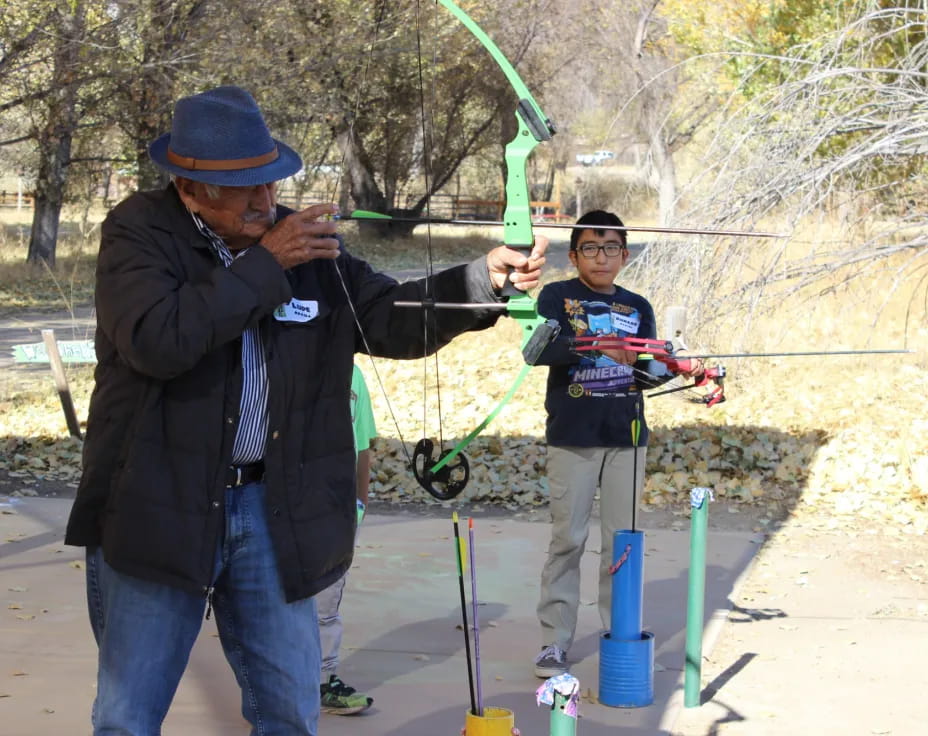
219,459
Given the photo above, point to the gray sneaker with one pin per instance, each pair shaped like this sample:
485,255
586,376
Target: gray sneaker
551,661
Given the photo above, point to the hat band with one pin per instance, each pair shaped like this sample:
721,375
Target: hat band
217,164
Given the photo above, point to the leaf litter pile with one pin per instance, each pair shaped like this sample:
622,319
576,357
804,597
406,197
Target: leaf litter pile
848,449
844,439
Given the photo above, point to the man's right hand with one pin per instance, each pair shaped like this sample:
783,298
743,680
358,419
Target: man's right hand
303,237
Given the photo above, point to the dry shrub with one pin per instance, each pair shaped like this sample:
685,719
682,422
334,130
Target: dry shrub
611,188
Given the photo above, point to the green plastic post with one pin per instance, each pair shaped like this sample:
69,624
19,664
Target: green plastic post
695,604
561,723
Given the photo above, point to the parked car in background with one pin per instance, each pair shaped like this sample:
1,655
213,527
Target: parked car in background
595,158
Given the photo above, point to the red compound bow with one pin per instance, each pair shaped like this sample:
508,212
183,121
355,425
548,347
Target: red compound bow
664,352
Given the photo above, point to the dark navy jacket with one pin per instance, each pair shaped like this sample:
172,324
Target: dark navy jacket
164,409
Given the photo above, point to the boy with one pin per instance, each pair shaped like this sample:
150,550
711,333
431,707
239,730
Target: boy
591,402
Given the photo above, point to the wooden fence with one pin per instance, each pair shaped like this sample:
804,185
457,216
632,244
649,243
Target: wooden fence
17,200
442,205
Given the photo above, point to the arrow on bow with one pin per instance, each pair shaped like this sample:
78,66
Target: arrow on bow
366,215
665,352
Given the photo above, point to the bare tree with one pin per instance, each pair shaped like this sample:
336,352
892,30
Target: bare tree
154,53
634,73
56,130
84,68
410,99
845,130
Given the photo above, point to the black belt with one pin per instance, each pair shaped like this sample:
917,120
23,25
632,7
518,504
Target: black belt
241,475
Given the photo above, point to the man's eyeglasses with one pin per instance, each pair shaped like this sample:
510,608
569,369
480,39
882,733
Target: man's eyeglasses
591,250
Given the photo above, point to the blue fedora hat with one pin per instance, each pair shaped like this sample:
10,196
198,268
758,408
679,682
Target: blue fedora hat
220,137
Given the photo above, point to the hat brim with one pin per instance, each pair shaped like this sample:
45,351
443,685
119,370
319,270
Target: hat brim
287,163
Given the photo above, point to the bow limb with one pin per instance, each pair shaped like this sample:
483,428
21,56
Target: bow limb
450,468
534,127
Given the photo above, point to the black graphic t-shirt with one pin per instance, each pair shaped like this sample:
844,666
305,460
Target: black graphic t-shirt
591,400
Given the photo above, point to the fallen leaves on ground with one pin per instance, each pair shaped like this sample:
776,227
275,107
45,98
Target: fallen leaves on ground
787,442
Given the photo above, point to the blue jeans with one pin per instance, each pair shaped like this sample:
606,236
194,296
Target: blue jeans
145,632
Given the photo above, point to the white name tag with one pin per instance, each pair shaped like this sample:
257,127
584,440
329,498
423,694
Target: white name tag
627,323
297,310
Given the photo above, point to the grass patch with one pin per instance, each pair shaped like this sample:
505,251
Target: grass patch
36,287
26,287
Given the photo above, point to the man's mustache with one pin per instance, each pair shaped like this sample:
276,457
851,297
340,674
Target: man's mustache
269,216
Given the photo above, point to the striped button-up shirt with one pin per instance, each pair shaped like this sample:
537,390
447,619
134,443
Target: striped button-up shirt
251,434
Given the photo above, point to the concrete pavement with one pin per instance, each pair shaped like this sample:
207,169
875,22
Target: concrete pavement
402,644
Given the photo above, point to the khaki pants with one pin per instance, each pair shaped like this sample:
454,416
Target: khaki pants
574,474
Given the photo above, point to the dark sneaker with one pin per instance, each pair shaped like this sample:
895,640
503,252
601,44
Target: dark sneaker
551,661
341,699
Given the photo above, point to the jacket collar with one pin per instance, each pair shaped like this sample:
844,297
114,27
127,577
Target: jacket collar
174,218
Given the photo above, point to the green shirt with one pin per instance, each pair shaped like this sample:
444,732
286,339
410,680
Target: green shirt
362,418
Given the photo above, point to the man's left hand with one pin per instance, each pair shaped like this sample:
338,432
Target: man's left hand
525,271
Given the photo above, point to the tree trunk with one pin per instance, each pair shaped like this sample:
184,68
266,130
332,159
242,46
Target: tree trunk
508,128
54,139
666,178
49,196
149,176
153,88
365,192
157,96
386,230
653,121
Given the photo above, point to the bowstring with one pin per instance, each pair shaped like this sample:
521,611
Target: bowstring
381,12
430,318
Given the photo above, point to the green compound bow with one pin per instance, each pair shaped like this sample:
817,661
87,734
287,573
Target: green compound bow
449,470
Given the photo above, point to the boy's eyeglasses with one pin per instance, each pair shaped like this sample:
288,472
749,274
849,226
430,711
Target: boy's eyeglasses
591,250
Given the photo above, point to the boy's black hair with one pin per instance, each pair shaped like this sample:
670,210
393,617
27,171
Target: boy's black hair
594,218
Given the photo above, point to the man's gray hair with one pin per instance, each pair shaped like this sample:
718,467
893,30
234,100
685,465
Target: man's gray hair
212,190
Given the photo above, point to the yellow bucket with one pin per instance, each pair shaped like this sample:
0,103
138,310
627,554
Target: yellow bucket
493,722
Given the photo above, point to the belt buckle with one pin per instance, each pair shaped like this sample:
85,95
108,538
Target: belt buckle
238,476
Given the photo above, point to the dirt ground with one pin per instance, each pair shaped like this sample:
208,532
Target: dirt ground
827,634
